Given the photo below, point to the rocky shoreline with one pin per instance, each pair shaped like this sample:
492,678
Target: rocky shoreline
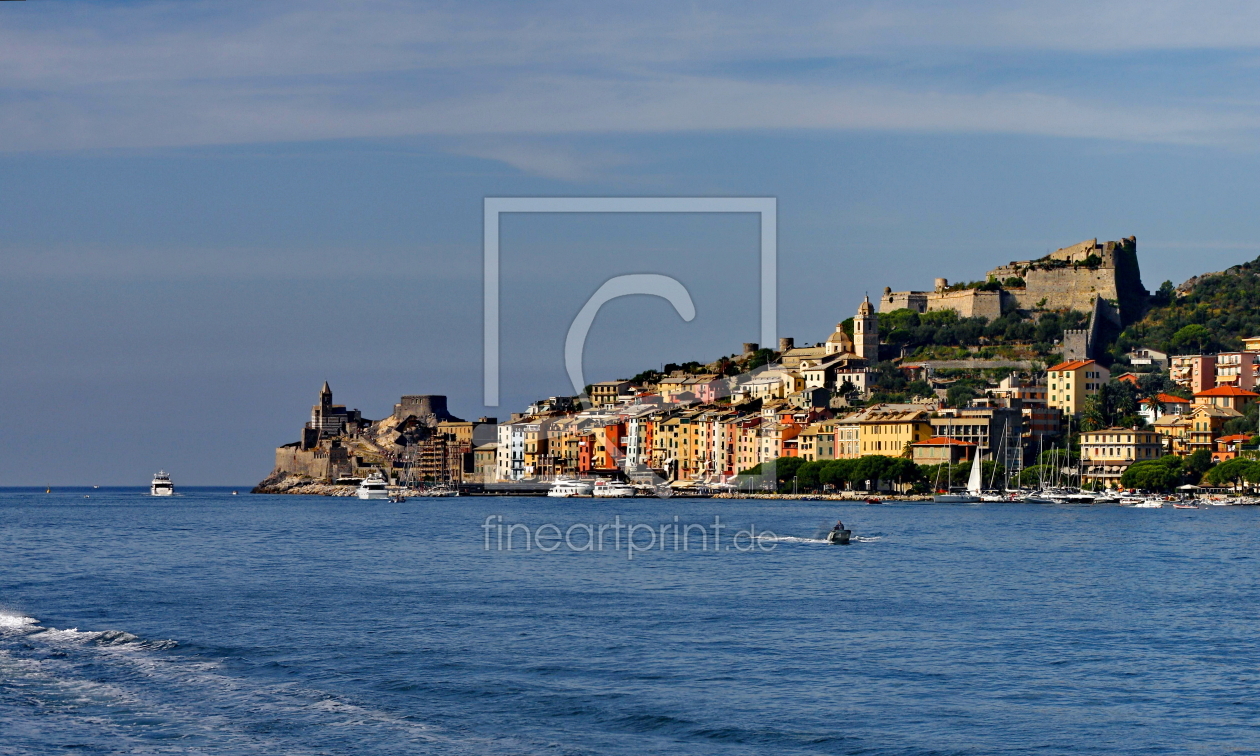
286,483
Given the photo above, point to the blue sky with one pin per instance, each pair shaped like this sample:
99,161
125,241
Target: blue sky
210,208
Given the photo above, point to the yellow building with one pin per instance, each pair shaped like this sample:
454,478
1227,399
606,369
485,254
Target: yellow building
818,441
1175,430
1207,423
1069,384
888,430
1106,454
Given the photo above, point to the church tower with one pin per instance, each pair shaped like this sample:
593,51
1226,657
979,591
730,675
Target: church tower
866,332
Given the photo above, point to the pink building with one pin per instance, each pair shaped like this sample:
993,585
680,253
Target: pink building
1196,372
1237,369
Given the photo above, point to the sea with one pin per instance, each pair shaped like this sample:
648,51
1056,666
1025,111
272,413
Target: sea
221,623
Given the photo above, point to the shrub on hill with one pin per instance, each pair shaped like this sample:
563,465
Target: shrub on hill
1216,313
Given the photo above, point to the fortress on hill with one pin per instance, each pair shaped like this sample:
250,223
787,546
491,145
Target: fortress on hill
1102,278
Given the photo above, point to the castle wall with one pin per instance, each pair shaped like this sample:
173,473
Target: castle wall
1066,288
904,300
968,303
324,462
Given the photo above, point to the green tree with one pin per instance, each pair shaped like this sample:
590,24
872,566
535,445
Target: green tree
1198,463
873,468
1151,475
1115,404
959,395
903,471
1193,336
837,472
1164,296
1230,472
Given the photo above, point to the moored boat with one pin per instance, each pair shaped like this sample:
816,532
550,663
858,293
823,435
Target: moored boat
564,488
441,490
611,489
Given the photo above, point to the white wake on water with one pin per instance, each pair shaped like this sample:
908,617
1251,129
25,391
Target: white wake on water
816,540
121,692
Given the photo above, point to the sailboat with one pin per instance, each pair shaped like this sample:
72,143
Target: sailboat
973,487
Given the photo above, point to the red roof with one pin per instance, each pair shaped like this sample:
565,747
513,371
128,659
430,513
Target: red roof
1130,377
1226,391
1170,399
943,441
1236,437
1072,365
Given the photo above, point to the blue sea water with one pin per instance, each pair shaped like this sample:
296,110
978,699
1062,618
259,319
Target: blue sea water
219,624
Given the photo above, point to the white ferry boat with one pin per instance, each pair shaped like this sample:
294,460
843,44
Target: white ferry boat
161,485
565,488
611,489
373,487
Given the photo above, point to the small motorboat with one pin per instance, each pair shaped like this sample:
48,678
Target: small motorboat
839,537
1185,506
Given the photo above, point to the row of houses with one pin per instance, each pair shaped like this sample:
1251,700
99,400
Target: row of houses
715,442
1201,372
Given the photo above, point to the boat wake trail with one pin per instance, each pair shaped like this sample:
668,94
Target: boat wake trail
111,691
821,538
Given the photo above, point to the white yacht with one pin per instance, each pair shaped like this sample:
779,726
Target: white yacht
565,488
612,489
161,485
373,487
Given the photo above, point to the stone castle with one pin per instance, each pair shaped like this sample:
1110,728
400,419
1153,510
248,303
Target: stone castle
419,438
1071,278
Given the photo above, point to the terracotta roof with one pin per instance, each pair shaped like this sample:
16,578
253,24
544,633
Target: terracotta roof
1171,399
1072,365
943,441
1235,437
1130,377
1226,391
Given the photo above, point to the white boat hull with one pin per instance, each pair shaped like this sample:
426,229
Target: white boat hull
614,492
955,499
156,491
373,487
568,489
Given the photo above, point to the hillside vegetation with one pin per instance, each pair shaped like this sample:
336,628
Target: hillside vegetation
1210,313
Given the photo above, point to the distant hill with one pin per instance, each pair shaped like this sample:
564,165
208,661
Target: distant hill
1209,313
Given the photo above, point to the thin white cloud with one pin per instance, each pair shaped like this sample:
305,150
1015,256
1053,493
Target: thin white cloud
190,73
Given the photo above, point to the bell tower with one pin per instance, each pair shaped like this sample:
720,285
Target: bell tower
866,332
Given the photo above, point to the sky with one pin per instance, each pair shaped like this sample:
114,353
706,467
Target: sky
207,209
